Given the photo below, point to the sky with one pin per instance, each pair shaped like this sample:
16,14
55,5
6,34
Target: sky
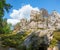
21,8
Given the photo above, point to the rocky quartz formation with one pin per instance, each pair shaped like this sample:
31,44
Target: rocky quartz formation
41,23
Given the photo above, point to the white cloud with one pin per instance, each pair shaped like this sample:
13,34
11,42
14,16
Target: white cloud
23,12
13,21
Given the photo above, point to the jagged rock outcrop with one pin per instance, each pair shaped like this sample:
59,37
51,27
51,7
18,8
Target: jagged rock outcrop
42,24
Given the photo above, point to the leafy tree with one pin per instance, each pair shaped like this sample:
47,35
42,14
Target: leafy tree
7,27
3,6
4,27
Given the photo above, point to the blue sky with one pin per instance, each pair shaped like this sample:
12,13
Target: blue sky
47,4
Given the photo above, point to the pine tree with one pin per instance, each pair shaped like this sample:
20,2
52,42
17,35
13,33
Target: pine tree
3,6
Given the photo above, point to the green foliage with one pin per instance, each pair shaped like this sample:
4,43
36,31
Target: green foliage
13,40
3,6
7,27
16,41
23,47
57,35
4,27
56,38
53,42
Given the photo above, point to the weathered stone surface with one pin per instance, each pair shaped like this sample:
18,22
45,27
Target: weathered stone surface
42,24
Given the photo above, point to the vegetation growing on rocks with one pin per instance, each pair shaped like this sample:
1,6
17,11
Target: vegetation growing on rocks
34,33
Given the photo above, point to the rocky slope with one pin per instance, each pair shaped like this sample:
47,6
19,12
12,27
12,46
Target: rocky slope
41,23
